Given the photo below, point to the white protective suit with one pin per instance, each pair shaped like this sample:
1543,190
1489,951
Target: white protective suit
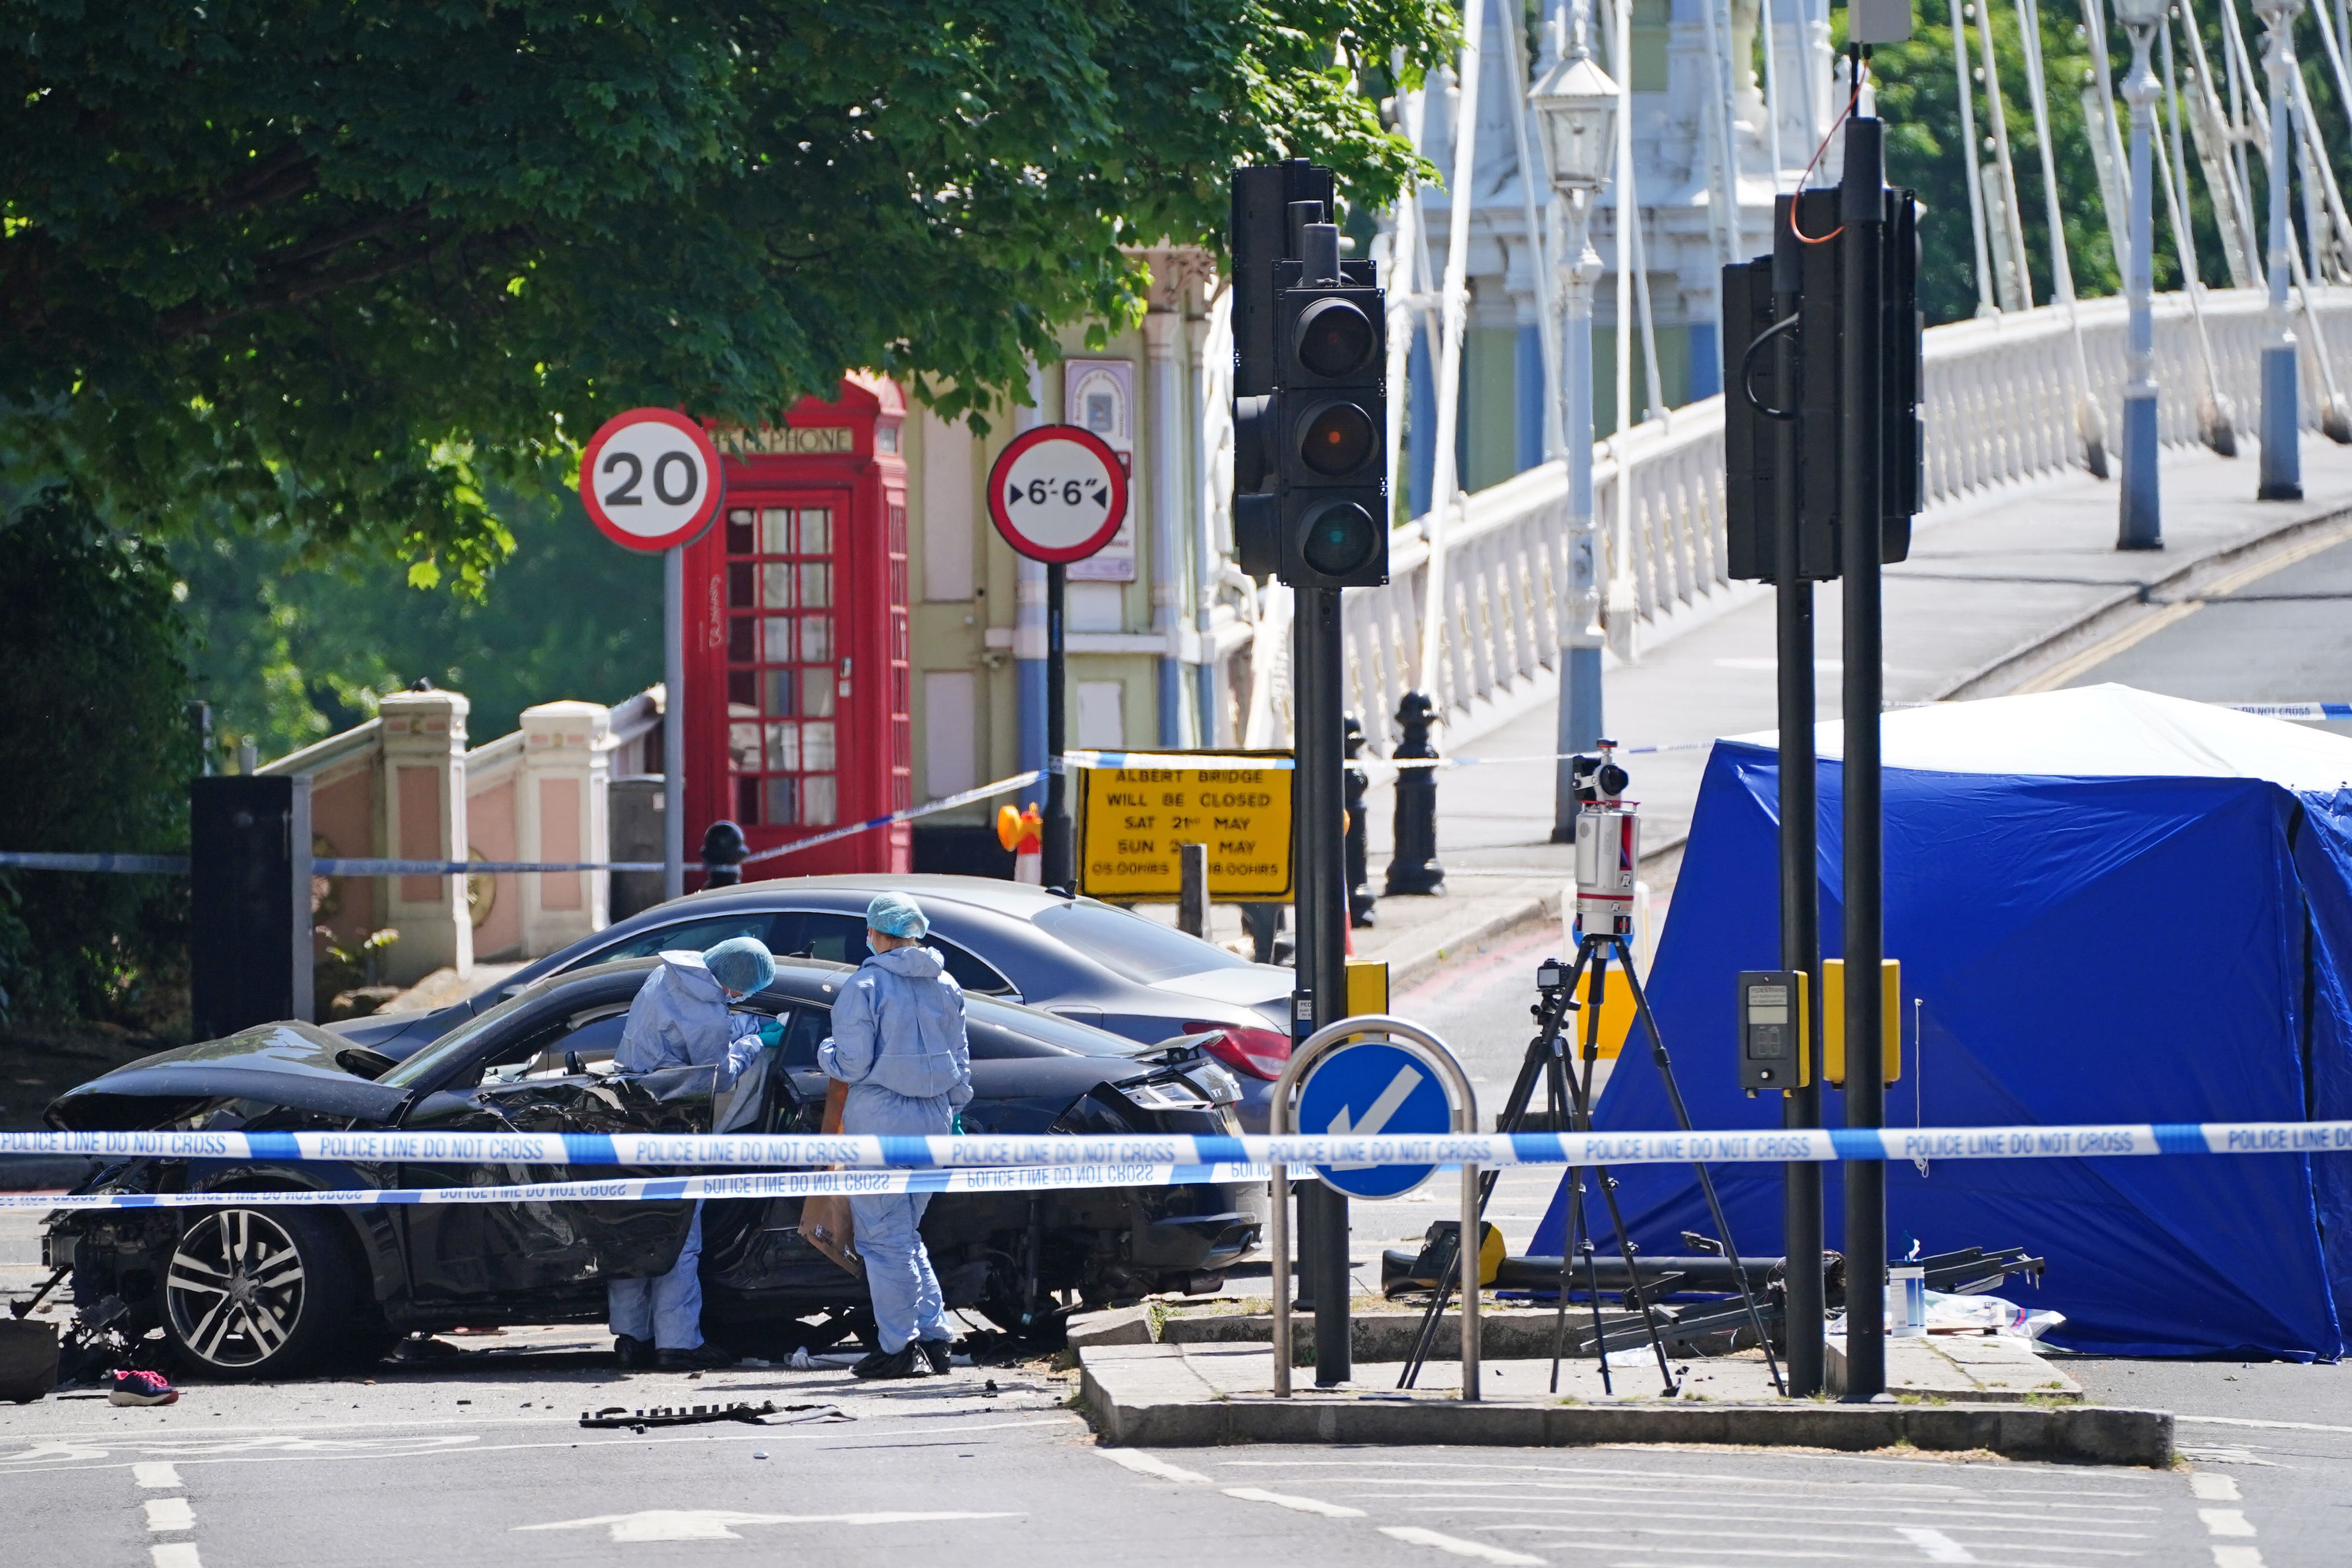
679,1018
899,1042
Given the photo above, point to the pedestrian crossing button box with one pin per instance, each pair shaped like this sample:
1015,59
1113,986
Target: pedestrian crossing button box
1772,1014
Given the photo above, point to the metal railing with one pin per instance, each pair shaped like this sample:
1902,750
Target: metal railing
1999,403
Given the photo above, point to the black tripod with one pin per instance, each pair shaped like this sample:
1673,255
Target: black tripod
1568,1094
1567,1102
1592,952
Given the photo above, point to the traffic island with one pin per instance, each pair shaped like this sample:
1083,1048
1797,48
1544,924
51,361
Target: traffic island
1177,1395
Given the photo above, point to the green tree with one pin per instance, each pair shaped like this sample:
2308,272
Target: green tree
336,271
288,655
95,754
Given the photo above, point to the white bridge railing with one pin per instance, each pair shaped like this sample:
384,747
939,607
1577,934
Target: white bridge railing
2000,406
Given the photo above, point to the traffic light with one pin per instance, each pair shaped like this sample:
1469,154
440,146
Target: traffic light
1310,413
1753,397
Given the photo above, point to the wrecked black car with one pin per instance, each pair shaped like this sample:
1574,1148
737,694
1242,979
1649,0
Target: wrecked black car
261,1290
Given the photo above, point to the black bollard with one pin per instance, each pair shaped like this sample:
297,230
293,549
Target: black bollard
1361,898
723,850
1413,868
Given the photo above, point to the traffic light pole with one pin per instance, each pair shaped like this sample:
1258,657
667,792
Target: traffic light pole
1321,922
1800,915
1861,446
1056,868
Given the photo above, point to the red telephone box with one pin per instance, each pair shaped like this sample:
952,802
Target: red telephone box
797,698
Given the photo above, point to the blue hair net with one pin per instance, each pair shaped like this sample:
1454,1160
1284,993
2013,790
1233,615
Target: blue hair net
740,964
896,915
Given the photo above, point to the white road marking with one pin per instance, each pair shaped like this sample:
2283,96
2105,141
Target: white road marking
2250,1421
2213,1488
1649,1478
2225,1522
2225,1457
169,1513
2237,1557
1145,1464
178,1554
226,1454
1738,1508
711,1524
1684,1533
1414,1535
158,1477
1303,1504
1935,1545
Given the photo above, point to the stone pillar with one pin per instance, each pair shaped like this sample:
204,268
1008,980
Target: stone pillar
560,815
425,818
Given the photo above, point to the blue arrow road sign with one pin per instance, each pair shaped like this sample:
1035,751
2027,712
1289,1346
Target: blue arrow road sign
1368,1088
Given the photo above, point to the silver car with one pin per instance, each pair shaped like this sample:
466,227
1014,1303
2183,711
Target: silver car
1086,960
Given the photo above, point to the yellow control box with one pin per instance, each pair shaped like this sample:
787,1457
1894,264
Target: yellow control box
1890,975
1367,986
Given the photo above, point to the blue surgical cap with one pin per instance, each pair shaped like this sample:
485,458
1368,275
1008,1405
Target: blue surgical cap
895,915
740,964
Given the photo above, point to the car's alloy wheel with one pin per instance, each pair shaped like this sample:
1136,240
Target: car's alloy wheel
243,1294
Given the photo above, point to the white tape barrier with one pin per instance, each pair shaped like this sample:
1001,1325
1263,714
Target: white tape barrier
776,1151
768,1184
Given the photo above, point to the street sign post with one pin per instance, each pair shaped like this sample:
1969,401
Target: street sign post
1379,1087
651,482
1369,1089
1132,821
1057,494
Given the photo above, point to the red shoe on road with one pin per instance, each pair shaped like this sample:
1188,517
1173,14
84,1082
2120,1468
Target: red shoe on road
139,1388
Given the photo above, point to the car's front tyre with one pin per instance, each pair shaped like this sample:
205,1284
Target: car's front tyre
257,1293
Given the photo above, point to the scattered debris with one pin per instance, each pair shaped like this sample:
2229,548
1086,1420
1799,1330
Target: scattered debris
761,1415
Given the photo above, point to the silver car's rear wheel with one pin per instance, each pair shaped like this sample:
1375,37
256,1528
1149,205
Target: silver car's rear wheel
248,1291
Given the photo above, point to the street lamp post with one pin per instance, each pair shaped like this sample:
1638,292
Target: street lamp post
2141,526
1575,108
2282,466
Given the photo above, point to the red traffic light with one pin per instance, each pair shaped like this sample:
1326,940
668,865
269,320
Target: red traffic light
1334,339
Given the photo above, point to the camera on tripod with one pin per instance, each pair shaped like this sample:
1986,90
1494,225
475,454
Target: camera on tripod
1608,844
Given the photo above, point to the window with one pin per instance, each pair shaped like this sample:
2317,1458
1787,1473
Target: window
1140,949
841,939
781,665
691,935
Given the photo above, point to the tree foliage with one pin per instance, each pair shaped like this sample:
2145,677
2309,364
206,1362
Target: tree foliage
95,756
1926,150
338,269
287,655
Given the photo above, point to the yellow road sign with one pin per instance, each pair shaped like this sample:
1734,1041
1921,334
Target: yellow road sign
1132,820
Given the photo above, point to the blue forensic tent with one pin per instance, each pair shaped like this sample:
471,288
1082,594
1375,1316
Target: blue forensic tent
2113,906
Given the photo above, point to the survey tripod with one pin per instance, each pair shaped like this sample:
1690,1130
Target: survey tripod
1607,859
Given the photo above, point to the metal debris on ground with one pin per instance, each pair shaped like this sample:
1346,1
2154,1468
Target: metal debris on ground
764,1414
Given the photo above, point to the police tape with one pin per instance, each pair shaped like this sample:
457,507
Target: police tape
868,1152
660,1189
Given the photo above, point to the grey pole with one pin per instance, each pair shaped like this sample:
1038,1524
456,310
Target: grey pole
2141,526
674,722
2282,463
1580,658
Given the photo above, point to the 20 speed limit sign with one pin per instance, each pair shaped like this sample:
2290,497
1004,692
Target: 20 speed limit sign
650,479
1057,493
